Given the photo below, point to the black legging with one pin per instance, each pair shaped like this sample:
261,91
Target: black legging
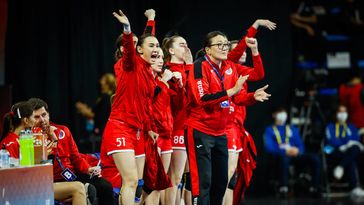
104,189
348,160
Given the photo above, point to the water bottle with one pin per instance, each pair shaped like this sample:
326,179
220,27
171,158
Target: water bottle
23,149
30,142
26,148
40,148
4,158
14,162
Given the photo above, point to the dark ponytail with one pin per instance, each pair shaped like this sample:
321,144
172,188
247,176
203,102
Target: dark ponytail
14,118
7,125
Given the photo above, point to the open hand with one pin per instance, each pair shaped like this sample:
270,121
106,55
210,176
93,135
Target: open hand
260,94
121,18
265,23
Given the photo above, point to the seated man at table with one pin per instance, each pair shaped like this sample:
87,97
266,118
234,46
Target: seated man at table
68,164
21,117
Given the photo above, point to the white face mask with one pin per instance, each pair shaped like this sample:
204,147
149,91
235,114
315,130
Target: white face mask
281,117
342,116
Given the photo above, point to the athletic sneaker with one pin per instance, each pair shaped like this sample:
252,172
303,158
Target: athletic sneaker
90,193
357,193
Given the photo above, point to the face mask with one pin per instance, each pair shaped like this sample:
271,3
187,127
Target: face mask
281,117
342,116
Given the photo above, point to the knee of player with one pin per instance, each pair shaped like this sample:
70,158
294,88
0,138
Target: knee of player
130,181
78,188
176,179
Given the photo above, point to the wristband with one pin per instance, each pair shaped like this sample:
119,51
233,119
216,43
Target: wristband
127,28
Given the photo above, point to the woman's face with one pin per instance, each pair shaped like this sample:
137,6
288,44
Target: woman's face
219,48
29,122
178,48
158,64
103,85
149,49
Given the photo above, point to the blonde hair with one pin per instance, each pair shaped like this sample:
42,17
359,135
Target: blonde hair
110,81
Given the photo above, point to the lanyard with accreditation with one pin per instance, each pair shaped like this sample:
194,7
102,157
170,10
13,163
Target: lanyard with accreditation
66,173
337,130
224,104
278,135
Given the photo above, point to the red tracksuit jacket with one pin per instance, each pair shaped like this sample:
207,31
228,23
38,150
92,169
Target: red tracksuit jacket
205,93
179,104
350,97
67,152
238,114
11,143
235,54
162,113
134,90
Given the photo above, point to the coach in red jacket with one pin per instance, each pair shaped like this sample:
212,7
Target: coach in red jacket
68,163
212,84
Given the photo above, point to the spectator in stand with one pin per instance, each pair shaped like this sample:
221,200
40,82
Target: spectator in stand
284,142
308,25
101,111
343,148
351,94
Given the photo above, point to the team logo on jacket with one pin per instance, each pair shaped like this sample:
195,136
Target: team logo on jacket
200,88
61,135
229,71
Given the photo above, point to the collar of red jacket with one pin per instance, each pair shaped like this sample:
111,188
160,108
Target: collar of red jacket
223,64
174,64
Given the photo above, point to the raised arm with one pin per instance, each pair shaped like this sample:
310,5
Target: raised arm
257,72
150,27
235,54
129,52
